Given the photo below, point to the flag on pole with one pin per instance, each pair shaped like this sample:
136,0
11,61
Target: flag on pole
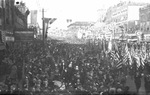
138,62
122,61
52,20
110,46
128,54
103,45
115,46
119,64
142,62
115,55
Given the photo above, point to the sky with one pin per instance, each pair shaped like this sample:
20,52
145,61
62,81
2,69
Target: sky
85,10
78,10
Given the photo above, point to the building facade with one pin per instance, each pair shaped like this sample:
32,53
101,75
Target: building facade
145,21
33,17
9,20
81,28
20,16
6,20
125,15
101,14
13,17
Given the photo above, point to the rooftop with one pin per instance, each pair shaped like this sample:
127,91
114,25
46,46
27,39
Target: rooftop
145,7
81,24
125,3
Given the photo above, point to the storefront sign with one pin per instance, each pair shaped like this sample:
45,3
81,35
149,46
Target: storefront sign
8,38
24,35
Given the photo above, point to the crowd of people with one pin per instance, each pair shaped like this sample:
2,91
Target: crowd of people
51,67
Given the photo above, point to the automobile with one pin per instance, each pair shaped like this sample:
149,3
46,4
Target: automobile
133,39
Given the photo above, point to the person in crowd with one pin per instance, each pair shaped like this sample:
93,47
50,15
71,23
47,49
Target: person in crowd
137,80
126,90
76,66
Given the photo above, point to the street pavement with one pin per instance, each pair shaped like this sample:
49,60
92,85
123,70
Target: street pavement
131,84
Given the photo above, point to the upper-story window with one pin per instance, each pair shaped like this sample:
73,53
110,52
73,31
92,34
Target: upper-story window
147,28
120,12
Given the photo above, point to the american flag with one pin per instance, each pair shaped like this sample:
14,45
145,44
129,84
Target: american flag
143,52
142,62
110,46
135,55
124,59
128,54
138,61
121,62
115,55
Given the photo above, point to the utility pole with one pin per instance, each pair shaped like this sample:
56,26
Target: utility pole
43,25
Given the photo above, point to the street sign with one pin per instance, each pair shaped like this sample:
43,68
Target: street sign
52,20
9,38
24,35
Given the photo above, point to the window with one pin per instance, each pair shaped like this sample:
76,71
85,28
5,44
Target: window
7,20
147,28
148,23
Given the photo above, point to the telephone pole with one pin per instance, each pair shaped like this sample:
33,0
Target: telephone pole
43,24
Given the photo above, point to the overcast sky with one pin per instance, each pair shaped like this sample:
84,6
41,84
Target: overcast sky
75,9
78,10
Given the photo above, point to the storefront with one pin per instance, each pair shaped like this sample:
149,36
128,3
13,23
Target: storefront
147,37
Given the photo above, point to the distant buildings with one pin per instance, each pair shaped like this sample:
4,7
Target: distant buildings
33,17
126,16
81,28
101,14
145,21
80,25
